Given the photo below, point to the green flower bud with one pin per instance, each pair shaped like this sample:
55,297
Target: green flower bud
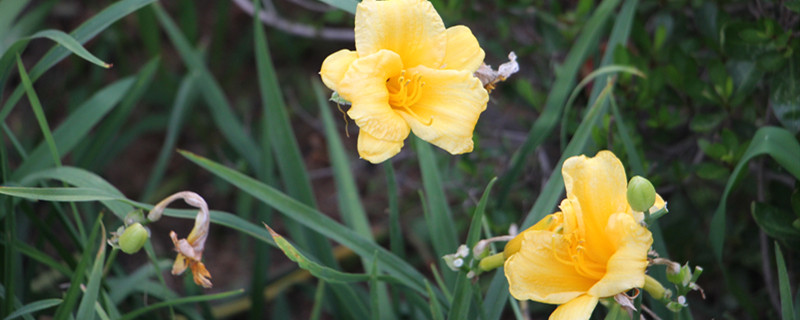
796,223
641,194
133,238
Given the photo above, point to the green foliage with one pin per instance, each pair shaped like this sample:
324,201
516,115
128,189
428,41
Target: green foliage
689,94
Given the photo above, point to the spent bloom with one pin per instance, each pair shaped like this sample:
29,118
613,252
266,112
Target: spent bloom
408,73
596,247
190,249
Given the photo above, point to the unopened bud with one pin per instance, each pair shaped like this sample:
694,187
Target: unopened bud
641,194
796,223
134,237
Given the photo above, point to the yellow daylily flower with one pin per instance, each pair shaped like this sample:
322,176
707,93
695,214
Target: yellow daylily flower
596,247
408,74
190,249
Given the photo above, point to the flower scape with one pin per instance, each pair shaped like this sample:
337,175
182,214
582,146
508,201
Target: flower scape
408,74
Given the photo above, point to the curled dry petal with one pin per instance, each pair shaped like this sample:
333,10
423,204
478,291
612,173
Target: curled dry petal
190,249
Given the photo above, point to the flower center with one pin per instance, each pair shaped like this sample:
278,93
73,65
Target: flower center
404,92
577,256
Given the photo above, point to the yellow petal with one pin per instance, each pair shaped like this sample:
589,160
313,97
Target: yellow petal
450,105
376,150
364,85
463,51
639,216
535,273
180,264
334,67
625,269
600,186
578,308
547,223
411,28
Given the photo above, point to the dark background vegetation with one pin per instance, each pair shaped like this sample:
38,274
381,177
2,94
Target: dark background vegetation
717,71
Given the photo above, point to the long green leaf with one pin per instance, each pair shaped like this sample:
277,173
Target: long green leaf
544,125
222,114
75,128
779,144
82,34
180,107
172,302
86,309
435,309
286,149
94,152
33,307
41,257
93,194
314,220
438,218
71,297
459,308
350,208
601,72
785,286
317,270
70,44
36,105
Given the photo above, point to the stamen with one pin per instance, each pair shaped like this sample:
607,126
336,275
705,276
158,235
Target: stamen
404,93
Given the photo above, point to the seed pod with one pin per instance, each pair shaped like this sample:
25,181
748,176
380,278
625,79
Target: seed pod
133,238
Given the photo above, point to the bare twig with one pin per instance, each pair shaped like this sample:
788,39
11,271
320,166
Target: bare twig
272,19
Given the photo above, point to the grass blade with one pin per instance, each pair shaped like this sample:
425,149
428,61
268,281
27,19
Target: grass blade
180,107
544,125
779,144
314,220
439,218
69,43
75,128
787,306
82,34
436,310
94,152
222,114
36,105
604,71
86,309
71,297
317,270
173,302
459,308
33,307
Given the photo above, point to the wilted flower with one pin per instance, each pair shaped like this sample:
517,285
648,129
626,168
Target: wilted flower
594,248
408,73
190,250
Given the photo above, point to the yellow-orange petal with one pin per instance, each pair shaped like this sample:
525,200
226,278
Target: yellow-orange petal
625,269
364,85
180,264
600,186
535,273
576,309
448,109
547,223
200,274
463,51
376,150
411,28
334,67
